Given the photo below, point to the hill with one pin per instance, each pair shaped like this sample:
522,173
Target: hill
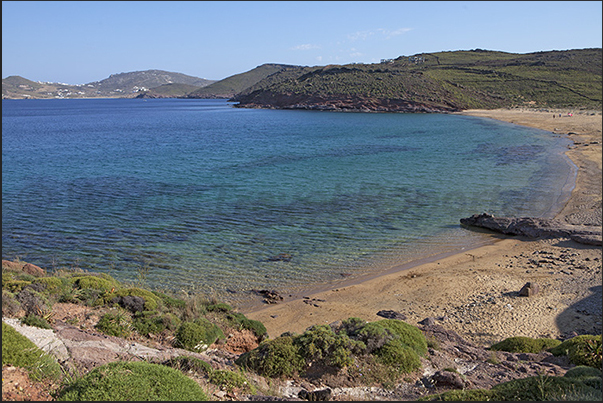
122,85
233,85
432,82
136,81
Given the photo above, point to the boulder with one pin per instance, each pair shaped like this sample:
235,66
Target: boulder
388,314
529,289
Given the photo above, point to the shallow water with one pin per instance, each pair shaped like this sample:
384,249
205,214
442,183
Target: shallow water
200,196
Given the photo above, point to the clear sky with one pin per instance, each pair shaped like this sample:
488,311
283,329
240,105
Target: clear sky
77,42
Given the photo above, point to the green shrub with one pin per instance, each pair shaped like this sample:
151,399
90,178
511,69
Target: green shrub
229,381
133,381
582,371
169,301
544,388
117,323
19,351
469,395
273,358
198,335
219,307
152,322
374,336
185,363
522,344
582,350
15,285
320,343
409,334
52,285
34,320
239,320
95,282
10,305
397,354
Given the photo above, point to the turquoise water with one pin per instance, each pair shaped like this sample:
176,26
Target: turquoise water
200,196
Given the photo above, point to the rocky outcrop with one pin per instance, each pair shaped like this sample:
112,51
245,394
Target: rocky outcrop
536,228
271,100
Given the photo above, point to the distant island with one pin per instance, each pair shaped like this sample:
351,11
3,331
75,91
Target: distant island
426,82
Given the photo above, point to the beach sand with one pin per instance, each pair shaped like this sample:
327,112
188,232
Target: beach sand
475,293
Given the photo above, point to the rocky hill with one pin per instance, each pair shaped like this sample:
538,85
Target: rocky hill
233,85
438,82
122,85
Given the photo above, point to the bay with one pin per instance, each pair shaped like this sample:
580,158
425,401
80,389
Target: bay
200,196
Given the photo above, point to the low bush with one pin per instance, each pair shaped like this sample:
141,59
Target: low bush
522,344
238,320
19,351
95,282
117,323
279,357
185,363
581,350
151,301
134,381
408,334
230,381
321,344
535,388
544,388
397,354
198,335
153,322
34,320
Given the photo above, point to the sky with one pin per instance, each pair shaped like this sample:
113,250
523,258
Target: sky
78,42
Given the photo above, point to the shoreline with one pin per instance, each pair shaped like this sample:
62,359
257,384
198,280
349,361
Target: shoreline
475,291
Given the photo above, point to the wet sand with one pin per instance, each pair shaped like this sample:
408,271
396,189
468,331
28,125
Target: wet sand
475,293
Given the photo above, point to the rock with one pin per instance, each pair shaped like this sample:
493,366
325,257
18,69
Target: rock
281,257
28,268
33,270
529,289
448,379
270,296
428,322
130,302
316,395
388,314
536,228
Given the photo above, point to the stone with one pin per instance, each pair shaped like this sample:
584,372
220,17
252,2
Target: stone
316,395
389,314
448,379
529,289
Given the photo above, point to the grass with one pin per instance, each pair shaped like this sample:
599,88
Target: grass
19,351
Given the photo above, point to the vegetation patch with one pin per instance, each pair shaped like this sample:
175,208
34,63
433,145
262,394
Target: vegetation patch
134,381
117,323
19,351
275,358
231,381
185,364
198,335
581,350
521,344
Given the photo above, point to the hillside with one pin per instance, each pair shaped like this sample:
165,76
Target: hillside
123,85
436,82
233,85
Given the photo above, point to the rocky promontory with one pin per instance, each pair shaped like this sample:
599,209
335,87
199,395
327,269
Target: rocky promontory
272,100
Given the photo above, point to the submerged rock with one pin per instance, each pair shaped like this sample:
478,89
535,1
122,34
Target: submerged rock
536,228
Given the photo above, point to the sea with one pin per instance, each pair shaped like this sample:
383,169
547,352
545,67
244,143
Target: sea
197,196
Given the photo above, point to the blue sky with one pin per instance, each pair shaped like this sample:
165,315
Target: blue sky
77,42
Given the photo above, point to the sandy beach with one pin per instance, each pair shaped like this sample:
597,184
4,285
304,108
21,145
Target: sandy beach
476,293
